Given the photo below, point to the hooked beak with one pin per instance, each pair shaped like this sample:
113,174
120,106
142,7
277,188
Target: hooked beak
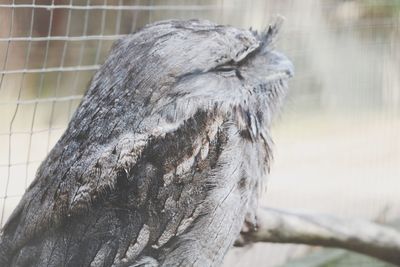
281,64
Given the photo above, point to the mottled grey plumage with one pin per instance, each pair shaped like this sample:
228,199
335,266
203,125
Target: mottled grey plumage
164,157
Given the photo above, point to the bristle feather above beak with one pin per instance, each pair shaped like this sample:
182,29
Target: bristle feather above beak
269,35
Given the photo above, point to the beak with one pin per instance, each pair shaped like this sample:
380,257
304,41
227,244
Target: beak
281,64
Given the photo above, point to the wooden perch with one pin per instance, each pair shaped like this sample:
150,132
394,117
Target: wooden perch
368,238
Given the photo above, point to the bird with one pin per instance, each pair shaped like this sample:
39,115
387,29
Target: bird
165,158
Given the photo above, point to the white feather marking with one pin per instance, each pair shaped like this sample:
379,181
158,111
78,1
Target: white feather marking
168,178
185,166
134,249
204,151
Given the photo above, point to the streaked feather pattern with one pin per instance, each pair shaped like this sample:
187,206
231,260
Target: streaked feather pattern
163,159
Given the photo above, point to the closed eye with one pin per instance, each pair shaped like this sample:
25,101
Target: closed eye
225,68
231,70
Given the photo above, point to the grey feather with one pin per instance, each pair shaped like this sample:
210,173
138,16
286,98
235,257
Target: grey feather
163,159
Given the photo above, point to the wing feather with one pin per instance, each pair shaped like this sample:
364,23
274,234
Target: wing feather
142,191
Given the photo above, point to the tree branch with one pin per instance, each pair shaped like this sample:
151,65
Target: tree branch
368,238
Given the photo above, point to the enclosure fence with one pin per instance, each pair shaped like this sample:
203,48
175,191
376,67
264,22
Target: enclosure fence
346,55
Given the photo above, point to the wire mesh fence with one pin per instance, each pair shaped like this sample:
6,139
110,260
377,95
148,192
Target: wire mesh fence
338,141
49,51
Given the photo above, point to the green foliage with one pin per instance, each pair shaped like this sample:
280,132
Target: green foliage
381,8
336,258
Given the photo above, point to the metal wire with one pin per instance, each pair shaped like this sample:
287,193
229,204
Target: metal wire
52,69
114,7
64,70
11,122
49,53
63,38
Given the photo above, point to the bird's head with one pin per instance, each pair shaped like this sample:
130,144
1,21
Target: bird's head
172,69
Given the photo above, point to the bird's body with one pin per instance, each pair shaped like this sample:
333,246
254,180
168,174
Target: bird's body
164,158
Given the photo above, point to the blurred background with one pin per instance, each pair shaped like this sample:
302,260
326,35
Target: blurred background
337,141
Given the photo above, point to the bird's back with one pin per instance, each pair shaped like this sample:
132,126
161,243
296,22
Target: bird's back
162,160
